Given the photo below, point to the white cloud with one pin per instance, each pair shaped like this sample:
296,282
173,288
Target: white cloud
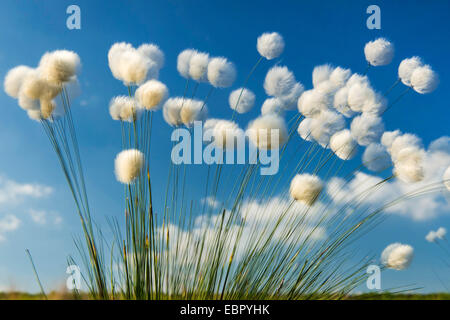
42,217
420,207
14,192
8,223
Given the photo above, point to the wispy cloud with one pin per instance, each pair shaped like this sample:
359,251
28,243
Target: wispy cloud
420,207
14,192
8,223
43,217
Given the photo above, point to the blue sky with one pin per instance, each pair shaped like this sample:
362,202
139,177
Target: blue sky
315,33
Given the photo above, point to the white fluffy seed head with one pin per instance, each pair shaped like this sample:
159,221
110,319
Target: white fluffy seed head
241,100
34,115
14,80
193,110
272,106
431,236
379,52
35,87
151,94
270,45
59,66
376,158
321,74
306,188
312,102
340,103
388,138
441,232
153,52
397,256
446,178
402,141
130,65
375,104
279,81
408,165
357,78
340,76
343,144
183,62
325,125
267,132
224,133
198,66
128,165
123,108
171,111
406,69
304,129
221,72
424,79
27,103
367,129
358,95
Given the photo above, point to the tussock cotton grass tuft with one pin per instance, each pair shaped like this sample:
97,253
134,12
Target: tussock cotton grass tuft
193,110
123,108
376,158
279,82
171,111
14,80
153,52
321,73
221,72
198,66
379,52
59,66
34,115
184,61
270,45
343,144
128,165
151,94
325,125
304,129
424,79
406,69
312,102
241,100
272,106
306,188
408,165
446,178
367,129
397,256
261,131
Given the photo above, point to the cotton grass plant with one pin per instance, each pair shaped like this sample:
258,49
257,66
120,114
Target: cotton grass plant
245,235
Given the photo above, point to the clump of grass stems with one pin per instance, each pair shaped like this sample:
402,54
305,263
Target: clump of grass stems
191,250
